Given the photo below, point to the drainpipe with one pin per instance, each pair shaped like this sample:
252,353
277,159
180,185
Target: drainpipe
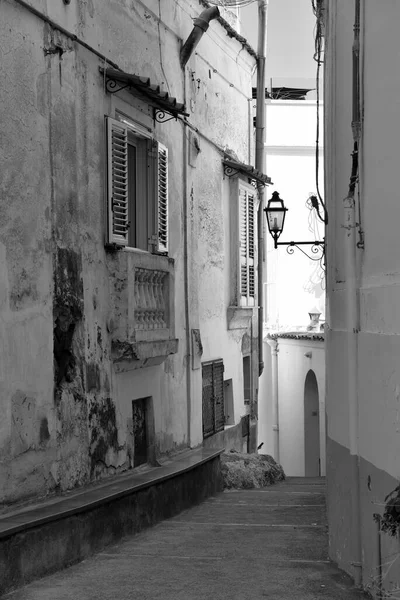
186,274
260,165
201,24
352,308
275,397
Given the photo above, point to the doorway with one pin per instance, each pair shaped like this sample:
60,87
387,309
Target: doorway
312,460
142,434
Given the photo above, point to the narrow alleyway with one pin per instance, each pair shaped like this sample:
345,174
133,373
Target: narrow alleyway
239,545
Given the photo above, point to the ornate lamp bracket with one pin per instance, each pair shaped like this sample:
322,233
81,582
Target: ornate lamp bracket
317,248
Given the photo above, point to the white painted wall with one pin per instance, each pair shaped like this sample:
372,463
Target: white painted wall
379,272
377,441
293,366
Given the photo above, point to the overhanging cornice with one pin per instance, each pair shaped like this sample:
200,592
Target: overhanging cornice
143,88
234,167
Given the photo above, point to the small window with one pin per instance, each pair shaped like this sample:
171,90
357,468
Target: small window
141,433
137,186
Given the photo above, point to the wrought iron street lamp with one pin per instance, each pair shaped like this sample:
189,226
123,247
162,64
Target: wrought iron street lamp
276,213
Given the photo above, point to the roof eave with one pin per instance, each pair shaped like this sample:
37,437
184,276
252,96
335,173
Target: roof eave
143,88
246,170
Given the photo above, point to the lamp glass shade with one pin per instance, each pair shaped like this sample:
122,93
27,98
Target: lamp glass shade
276,212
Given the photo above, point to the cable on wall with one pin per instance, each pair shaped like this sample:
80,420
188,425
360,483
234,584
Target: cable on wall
318,11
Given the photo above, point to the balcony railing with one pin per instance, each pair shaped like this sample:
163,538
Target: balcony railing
142,305
151,299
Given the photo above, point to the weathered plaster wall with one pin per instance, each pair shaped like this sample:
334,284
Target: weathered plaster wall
378,347
65,407
218,92
28,424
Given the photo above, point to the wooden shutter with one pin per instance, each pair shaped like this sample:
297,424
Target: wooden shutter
117,182
213,397
218,389
251,248
162,199
247,247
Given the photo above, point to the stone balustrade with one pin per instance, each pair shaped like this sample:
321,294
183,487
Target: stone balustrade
151,298
142,315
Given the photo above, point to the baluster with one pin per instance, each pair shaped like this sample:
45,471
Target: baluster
152,299
142,280
161,302
147,302
137,300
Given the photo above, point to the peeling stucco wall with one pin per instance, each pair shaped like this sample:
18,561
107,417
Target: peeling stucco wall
66,403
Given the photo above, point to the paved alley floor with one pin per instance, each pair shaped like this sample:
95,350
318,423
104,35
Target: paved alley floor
239,545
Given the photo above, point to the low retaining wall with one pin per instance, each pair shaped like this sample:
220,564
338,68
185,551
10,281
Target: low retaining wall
37,541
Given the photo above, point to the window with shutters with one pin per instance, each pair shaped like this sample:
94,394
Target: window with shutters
243,252
247,204
137,187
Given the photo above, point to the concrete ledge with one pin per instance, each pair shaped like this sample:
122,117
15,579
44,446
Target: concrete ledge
38,540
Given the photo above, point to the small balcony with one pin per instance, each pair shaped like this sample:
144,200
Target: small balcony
142,304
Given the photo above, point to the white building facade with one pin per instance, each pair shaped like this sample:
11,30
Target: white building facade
363,348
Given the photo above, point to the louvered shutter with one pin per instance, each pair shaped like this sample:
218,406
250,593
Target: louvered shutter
162,198
251,248
117,182
247,247
213,397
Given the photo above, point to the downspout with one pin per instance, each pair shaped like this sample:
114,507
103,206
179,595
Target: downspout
201,24
352,307
260,166
275,395
186,274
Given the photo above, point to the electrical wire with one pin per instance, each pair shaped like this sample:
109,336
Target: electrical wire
317,8
313,226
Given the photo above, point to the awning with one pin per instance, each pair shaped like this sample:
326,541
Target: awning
232,167
143,88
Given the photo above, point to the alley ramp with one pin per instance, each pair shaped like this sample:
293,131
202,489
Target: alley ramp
237,545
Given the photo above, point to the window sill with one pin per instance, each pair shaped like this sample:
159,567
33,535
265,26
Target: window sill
128,356
239,317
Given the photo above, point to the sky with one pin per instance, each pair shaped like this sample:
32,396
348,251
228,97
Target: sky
290,41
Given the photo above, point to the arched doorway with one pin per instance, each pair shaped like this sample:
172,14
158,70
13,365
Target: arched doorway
311,426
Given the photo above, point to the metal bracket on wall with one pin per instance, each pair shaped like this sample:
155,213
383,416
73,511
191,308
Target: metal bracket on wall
113,86
162,116
230,171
